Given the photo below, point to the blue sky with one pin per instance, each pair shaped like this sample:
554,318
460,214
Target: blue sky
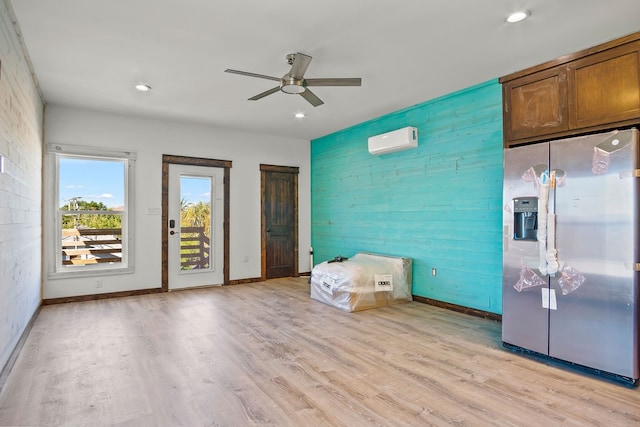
195,189
97,180
103,181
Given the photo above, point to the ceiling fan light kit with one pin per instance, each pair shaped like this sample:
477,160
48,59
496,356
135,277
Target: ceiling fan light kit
292,86
294,83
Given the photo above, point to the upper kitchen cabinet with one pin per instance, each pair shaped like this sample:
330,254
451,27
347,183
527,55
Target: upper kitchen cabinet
605,88
536,104
595,89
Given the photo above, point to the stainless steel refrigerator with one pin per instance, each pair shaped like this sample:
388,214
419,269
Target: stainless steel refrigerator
570,251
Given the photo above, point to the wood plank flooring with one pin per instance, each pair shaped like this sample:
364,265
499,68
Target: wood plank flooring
266,354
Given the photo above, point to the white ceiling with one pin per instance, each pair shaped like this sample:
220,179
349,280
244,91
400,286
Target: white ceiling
90,53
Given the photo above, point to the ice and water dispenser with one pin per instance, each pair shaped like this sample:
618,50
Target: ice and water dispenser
525,218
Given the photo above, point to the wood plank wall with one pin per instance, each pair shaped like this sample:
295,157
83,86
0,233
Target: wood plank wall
21,113
439,204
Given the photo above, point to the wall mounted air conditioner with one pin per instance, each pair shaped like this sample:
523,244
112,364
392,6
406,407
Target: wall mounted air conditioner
396,140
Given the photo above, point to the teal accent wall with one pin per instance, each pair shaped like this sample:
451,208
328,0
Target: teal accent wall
440,204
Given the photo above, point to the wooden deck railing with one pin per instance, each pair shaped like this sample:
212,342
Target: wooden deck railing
194,248
82,246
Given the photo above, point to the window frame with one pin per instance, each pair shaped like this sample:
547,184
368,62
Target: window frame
53,215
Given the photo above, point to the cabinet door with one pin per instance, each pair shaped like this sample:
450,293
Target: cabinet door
535,104
605,88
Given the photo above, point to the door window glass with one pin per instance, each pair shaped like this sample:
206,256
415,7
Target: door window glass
195,222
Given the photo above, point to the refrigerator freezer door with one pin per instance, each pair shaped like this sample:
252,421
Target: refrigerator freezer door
596,321
524,316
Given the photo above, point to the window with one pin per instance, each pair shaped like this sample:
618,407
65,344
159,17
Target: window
90,211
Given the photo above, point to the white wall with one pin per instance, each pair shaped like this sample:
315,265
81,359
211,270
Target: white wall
21,111
150,139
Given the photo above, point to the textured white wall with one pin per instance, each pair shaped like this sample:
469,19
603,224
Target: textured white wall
21,111
150,139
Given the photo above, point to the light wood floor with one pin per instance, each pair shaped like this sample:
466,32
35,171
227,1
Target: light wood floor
265,354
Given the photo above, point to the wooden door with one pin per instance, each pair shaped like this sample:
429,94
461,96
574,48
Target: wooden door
279,221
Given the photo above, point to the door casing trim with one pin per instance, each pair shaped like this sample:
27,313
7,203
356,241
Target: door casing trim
167,160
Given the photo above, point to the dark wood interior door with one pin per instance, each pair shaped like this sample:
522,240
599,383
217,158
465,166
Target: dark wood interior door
279,221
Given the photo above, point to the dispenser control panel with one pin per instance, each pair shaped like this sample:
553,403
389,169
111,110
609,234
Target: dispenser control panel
525,204
525,218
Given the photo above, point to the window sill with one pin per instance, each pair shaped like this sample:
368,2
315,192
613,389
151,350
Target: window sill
94,272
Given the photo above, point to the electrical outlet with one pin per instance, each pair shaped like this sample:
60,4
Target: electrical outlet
98,283
434,272
245,258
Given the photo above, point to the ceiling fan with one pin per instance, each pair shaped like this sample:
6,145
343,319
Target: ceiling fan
294,82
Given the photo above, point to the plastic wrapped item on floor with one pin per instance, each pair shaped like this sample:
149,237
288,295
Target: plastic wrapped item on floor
363,281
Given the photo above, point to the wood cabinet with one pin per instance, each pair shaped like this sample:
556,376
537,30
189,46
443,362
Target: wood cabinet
605,88
536,104
595,89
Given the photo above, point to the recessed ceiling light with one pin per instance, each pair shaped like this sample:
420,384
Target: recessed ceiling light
521,15
300,115
143,88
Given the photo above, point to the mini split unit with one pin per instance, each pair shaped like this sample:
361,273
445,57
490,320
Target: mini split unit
397,140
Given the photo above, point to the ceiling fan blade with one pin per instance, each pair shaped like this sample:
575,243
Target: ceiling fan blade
245,73
299,66
265,93
334,82
312,98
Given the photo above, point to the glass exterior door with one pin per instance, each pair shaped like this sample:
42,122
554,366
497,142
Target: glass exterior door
195,226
